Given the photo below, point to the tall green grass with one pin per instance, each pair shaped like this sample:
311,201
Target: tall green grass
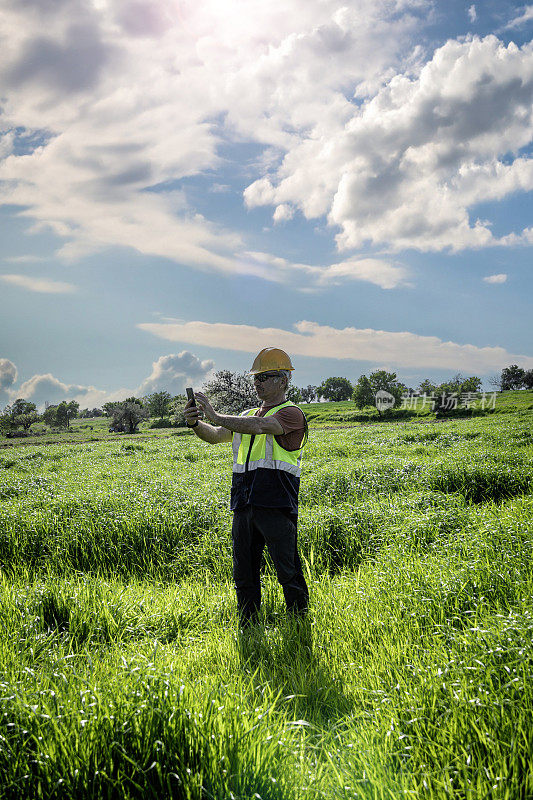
122,672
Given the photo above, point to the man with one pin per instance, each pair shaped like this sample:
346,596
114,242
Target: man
267,447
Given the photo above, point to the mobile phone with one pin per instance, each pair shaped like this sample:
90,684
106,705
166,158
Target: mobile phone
190,395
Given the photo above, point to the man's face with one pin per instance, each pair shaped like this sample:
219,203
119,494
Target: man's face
268,384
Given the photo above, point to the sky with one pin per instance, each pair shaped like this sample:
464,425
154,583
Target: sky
185,182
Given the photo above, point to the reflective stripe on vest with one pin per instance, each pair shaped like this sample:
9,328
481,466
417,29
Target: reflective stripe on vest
261,450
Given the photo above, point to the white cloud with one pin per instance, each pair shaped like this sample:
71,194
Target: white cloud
220,188
493,180
174,372
27,259
46,388
170,373
472,13
128,98
406,167
43,285
6,143
500,278
139,94
373,270
8,374
401,349
522,19
283,212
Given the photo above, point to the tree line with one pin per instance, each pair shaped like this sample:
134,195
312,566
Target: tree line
231,392
23,414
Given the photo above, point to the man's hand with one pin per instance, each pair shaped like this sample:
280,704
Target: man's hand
206,407
192,413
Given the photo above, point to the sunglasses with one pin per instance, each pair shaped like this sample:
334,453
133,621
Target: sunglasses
264,376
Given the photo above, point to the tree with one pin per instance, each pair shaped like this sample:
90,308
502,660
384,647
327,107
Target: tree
72,410
528,379
6,425
231,392
26,420
294,394
472,384
128,415
336,389
308,394
64,412
381,379
20,406
453,386
109,408
158,404
512,377
89,413
362,394
20,414
62,415
456,385
49,415
426,387
177,409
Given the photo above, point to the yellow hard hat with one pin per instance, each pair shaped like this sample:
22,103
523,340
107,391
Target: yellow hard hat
271,358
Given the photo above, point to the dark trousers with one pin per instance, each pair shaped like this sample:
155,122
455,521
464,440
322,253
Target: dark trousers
253,527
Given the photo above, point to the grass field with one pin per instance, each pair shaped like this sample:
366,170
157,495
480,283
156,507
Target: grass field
122,672
318,414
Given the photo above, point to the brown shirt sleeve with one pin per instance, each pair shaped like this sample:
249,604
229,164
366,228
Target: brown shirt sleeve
292,421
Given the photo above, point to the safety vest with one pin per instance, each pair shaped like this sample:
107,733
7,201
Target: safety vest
254,451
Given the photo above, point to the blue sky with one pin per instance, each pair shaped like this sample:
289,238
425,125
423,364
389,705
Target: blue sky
185,183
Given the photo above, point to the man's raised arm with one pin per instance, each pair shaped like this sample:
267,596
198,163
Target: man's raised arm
208,433
238,424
